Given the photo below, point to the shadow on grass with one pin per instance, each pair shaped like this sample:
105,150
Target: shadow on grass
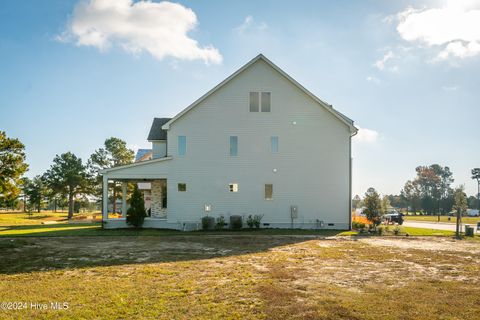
45,247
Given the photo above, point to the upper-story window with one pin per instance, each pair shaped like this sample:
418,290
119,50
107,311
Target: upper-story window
274,144
260,101
182,145
233,145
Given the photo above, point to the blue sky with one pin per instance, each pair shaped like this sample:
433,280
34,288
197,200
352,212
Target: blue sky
405,71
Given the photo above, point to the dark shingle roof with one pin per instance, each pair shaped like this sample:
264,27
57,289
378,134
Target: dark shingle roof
156,131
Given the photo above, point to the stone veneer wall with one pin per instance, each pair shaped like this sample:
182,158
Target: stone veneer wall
157,210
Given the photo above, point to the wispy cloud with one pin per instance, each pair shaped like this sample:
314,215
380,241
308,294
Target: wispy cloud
366,135
452,29
373,79
380,64
249,24
160,29
450,88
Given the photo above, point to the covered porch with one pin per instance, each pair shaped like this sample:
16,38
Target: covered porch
118,185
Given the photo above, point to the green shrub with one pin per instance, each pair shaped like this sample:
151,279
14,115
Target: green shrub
250,222
208,223
380,231
396,230
236,222
257,219
358,225
220,223
136,213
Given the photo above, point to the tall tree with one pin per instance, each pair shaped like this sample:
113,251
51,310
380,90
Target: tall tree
68,174
476,176
411,194
35,191
114,153
373,207
12,167
460,207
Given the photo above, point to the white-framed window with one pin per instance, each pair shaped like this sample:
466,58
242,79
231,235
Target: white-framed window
182,187
260,101
268,191
182,145
274,144
233,146
233,187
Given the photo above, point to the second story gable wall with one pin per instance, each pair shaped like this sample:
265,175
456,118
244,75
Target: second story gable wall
312,162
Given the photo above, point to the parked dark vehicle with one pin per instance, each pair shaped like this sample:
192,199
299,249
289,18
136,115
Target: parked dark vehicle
394,217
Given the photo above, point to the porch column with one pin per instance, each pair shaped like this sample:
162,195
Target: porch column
105,198
124,199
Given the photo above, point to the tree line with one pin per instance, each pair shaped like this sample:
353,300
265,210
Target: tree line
429,192
69,181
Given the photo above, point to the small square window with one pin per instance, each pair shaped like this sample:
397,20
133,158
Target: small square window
268,191
182,187
233,187
265,101
254,101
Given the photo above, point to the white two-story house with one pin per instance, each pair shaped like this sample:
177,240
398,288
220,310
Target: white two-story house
258,143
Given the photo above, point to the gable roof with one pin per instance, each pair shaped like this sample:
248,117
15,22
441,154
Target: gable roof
156,131
328,107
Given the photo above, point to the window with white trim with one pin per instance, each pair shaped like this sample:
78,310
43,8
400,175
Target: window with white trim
233,187
260,101
182,187
268,191
274,144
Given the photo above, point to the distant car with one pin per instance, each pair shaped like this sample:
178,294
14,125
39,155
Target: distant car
393,217
472,212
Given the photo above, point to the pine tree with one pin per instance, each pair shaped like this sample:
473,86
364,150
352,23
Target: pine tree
136,213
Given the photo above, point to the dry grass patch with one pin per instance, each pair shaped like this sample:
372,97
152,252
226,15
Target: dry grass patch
243,277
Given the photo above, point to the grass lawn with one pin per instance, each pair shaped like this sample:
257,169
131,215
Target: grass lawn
241,277
465,220
21,218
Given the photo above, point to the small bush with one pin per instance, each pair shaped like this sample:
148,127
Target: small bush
358,225
250,222
220,223
396,230
208,223
236,222
257,219
380,231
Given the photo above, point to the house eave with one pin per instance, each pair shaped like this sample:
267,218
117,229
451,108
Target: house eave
136,164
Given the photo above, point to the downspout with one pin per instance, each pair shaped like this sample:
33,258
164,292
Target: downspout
350,182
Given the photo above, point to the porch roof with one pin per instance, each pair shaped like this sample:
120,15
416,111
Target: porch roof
149,169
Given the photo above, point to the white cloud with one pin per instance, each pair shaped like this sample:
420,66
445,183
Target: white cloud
249,25
450,88
454,28
373,79
380,64
157,28
366,135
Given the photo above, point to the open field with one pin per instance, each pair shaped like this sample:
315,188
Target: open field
21,218
242,277
465,220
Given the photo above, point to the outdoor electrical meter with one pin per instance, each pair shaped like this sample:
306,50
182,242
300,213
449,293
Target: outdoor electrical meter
294,212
